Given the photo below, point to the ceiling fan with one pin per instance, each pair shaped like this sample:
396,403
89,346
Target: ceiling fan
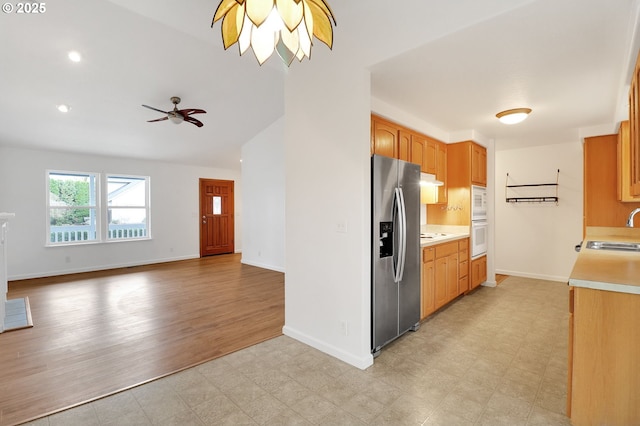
177,116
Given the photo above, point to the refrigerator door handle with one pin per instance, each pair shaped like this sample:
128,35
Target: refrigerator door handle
403,235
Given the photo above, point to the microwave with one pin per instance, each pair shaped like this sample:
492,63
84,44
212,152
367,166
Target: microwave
478,203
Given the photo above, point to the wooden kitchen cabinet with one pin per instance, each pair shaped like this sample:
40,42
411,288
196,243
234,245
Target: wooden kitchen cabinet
604,349
428,284
478,165
634,130
459,168
624,165
601,204
431,156
404,145
393,140
478,271
384,137
441,171
463,266
445,274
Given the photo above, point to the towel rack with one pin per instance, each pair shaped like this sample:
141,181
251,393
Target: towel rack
533,199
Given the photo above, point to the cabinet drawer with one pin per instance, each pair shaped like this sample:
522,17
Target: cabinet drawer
446,249
463,270
428,254
464,284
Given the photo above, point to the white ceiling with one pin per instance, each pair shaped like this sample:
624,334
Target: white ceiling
452,64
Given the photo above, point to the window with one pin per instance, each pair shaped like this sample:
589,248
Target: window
80,211
127,207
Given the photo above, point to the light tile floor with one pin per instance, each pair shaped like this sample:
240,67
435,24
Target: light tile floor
495,357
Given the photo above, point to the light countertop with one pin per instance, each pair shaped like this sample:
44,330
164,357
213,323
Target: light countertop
608,269
439,239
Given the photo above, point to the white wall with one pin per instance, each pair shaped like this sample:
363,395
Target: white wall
327,283
174,213
532,239
263,199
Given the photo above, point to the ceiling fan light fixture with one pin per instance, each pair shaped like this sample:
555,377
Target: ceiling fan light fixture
176,118
284,26
513,116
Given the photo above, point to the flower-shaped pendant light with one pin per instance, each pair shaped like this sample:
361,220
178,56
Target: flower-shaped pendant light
285,26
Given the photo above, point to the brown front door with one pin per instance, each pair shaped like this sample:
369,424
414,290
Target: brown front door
216,217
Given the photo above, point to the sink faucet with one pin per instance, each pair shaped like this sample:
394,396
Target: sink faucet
631,215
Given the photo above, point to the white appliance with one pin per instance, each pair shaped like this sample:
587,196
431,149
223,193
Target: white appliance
479,232
479,226
478,203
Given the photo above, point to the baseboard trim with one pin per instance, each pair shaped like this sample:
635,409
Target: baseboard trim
358,362
98,268
535,276
262,265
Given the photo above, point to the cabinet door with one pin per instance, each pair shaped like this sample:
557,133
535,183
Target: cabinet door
404,146
441,173
431,156
417,152
384,138
428,288
634,130
478,271
478,165
452,277
441,282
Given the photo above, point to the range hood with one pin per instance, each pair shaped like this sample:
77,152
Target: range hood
427,179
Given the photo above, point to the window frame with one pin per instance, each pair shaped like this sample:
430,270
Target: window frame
147,206
101,208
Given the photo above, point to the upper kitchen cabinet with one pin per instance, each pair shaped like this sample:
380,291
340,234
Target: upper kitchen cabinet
634,131
384,137
459,159
393,140
624,165
478,165
405,147
602,206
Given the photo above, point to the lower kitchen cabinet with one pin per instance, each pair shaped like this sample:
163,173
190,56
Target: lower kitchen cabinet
604,349
478,271
445,274
463,266
428,287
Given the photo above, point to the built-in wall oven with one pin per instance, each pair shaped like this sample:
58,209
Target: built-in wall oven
479,226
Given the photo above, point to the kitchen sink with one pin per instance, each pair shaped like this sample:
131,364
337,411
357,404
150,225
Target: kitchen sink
609,245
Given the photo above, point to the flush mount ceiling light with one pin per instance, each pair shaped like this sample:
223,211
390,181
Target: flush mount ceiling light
513,116
63,108
74,56
286,26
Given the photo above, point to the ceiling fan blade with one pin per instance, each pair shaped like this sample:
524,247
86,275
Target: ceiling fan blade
190,111
192,120
155,109
158,119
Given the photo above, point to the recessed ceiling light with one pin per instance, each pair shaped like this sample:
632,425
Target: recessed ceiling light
513,116
75,56
63,108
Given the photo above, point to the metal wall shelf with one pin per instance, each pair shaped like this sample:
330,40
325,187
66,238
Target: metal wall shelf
533,199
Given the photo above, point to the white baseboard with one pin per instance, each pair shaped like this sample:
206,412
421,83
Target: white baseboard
98,268
536,276
358,362
262,265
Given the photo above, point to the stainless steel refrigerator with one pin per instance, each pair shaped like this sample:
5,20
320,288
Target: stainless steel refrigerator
395,251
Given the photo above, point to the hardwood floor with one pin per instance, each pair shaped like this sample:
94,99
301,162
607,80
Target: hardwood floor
99,333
